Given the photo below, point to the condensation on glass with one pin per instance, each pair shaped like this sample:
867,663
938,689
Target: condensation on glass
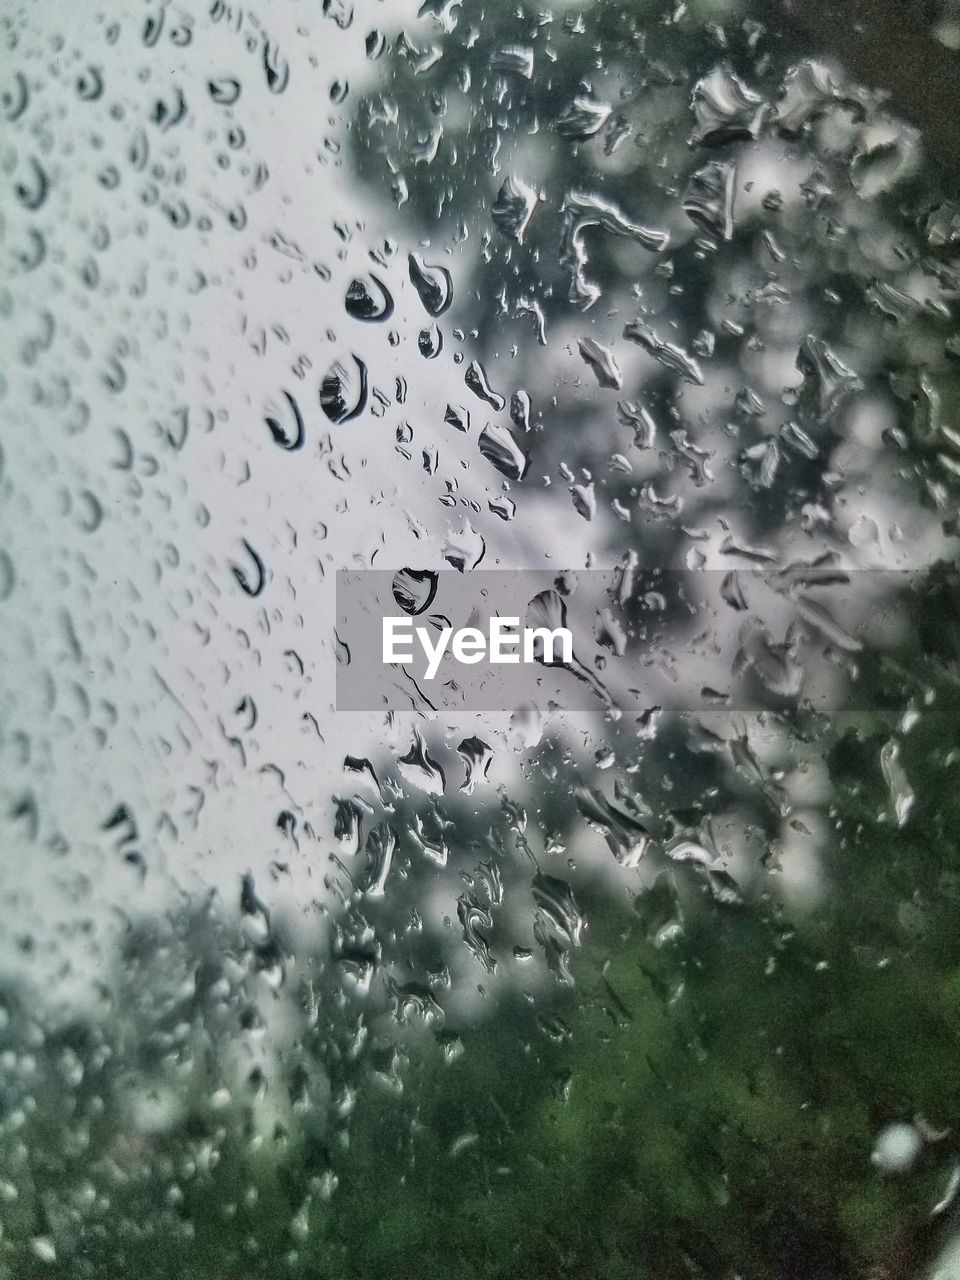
645,988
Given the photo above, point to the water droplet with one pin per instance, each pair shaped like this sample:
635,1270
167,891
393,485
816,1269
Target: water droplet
668,354
430,342
584,500
520,410
625,835
658,909
877,167
90,85
725,108
474,916
514,59
434,285
414,589
499,447
601,361
420,768
827,380
343,391
633,415
251,583
476,757
580,212
224,91
368,299
379,849
708,199
458,417
464,550
809,88
513,208
476,379
338,11
584,117
901,793
287,437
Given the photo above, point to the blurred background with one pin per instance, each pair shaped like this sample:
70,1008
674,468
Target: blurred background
292,288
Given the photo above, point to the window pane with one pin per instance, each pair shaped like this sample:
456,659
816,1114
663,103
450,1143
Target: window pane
635,322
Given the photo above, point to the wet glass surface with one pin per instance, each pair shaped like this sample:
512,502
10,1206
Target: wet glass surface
639,986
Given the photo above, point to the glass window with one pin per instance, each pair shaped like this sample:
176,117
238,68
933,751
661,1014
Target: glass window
632,325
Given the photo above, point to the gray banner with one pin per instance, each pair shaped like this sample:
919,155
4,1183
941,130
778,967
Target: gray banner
741,638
